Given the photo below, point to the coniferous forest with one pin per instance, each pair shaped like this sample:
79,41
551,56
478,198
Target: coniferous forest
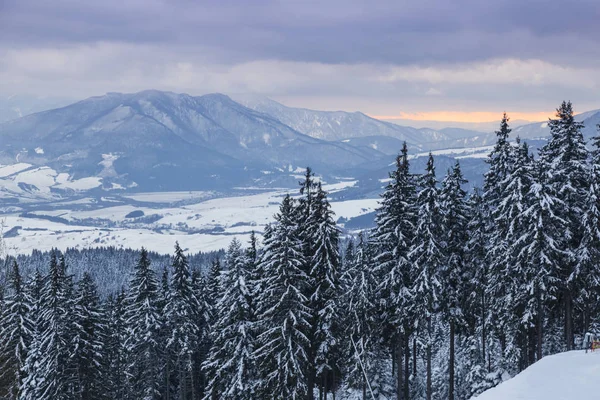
449,294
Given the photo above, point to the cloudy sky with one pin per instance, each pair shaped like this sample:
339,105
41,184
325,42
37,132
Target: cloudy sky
459,60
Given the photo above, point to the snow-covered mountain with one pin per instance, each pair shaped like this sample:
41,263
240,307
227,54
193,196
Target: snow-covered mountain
538,130
161,140
341,125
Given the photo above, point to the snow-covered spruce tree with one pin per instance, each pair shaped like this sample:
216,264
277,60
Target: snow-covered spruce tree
455,217
31,374
500,161
325,277
283,347
213,287
393,235
479,345
143,328
587,271
539,279
564,160
427,255
507,276
365,353
230,361
201,352
306,225
16,329
89,341
52,377
185,334
114,349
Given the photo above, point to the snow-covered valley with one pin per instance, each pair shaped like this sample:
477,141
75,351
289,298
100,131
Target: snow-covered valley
200,221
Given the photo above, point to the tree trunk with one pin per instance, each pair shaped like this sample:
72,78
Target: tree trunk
399,375
406,367
429,390
483,332
364,390
540,329
569,319
451,363
414,372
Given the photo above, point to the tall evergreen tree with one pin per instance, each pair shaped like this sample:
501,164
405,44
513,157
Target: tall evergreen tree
325,276
455,215
53,375
393,236
283,315
181,316
587,272
564,160
143,326
16,330
427,256
89,341
115,349
230,361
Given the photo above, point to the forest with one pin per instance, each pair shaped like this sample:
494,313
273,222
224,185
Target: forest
450,294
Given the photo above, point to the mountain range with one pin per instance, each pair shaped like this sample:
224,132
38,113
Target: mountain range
156,141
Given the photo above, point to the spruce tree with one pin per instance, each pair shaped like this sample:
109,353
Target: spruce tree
455,215
230,361
564,160
324,273
16,330
393,236
283,315
181,316
31,384
427,255
587,272
115,349
143,329
89,341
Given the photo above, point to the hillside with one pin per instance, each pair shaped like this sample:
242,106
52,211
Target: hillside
566,376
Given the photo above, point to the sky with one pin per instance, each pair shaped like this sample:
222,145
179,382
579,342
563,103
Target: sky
440,60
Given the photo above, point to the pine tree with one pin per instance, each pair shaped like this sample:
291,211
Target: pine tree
393,236
115,349
89,340
283,347
455,215
143,329
324,273
30,387
230,361
54,373
16,331
564,160
427,256
182,319
539,279
587,272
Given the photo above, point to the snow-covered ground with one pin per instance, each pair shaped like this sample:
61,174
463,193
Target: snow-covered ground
572,375
204,221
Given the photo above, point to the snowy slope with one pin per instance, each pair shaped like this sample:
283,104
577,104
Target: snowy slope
572,375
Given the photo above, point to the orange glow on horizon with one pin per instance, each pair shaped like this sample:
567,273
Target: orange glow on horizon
473,116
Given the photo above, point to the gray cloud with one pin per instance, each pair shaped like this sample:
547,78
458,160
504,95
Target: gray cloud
363,54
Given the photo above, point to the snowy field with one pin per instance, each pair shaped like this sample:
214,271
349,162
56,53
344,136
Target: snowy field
572,375
155,220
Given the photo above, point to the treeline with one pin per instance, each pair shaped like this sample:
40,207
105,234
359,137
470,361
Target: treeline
450,294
